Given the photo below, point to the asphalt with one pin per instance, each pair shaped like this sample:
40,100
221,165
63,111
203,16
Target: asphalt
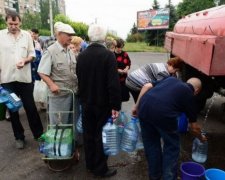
27,164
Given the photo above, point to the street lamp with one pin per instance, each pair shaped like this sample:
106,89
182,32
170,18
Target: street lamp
51,17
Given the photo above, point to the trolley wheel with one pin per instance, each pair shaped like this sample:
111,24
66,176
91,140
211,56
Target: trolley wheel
59,165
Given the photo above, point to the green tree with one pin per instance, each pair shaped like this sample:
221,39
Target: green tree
189,6
79,27
151,36
31,20
221,2
2,22
155,4
44,7
173,15
134,29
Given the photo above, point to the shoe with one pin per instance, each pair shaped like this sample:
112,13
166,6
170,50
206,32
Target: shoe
109,173
20,144
40,138
7,119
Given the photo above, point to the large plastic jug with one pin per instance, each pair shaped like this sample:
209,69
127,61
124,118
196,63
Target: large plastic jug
139,144
79,122
199,150
57,143
11,100
121,121
110,138
130,136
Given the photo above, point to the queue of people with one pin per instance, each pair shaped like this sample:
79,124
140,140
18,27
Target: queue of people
100,79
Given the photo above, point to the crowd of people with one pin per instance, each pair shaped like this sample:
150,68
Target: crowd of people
99,77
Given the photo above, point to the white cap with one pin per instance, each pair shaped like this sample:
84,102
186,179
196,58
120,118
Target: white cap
66,28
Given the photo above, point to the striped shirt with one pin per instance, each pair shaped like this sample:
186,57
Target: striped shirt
146,74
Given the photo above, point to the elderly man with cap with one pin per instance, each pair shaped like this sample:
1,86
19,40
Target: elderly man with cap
57,69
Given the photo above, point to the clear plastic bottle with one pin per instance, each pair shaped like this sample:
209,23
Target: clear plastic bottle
3,98
11,100
199,150
110,138
130,136
139,144
79,122
121,121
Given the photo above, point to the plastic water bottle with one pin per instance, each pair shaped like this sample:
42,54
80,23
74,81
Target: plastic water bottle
3,98
110,138
121,121
139,144
130,136
199,150
79,122
11,100
41,148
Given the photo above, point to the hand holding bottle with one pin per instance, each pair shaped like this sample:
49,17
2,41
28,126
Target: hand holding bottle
197,132
115,114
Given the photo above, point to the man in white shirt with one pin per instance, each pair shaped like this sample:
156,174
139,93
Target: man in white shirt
16,53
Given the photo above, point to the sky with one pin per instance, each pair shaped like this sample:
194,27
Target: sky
116,15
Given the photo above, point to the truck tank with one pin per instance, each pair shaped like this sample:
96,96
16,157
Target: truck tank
199,40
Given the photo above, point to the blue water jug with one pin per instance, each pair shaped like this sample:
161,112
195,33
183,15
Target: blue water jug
199,150
139,144
130,136
110,138
11,100
79,122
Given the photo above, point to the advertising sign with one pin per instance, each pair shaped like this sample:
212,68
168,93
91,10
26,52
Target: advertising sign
153,19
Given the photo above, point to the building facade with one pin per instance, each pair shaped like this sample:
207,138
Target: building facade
22,6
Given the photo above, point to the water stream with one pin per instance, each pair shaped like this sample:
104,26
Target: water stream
208,110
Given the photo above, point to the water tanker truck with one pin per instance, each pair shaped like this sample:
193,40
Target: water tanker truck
199,40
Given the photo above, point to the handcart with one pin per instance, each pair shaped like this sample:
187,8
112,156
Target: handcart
58,142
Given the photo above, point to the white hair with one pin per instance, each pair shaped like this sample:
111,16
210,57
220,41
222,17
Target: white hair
97,33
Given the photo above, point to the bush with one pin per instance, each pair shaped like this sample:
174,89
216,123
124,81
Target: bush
137,37
44,32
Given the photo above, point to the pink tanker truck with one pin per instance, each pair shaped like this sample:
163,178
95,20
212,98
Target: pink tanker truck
199,40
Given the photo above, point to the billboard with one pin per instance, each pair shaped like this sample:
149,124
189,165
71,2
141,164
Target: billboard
153,19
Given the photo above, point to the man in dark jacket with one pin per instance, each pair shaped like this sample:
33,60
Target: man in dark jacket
160,105
100,96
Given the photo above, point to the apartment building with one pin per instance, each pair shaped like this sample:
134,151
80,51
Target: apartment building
23,6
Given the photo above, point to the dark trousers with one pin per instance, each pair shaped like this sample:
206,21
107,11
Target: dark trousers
25,92
94,118
162,161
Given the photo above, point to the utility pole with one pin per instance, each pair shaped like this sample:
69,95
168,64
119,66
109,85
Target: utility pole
50,17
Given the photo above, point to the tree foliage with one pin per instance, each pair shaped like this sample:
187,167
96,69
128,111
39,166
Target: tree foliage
44,7
31,20
189,6
2,22
221,2
79,27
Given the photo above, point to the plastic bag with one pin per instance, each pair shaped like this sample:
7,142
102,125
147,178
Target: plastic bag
40,91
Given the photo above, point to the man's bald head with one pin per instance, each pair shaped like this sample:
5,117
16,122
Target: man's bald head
196,83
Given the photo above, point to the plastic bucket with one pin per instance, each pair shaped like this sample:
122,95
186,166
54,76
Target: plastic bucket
2,111
192,171
214,174
182,123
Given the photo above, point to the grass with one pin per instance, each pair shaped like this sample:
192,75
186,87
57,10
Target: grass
142,47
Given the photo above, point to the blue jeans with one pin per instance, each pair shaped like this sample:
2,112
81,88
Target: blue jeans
162,159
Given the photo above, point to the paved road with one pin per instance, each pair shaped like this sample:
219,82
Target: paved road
27,164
